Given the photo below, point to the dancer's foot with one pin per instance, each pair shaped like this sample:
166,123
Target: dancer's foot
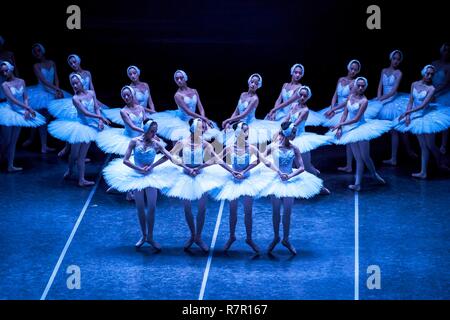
85,183
130,196
154,244
87,160
444,167
140,243
443,149
229,243
13,169
355,187
379,178
202,245
188,244
63,152
27,143
412,154
325,191
46,149
390,162
345,169
419,175
67,175
273,244
288,245
253,245
316,171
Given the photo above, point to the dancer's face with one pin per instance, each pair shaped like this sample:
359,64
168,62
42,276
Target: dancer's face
293,133
179,79
353,70
127,96
151,132
428,75
360,86
298,74
4,71
396,60
133,75
254,83
74,64
303,94
37,52
76,84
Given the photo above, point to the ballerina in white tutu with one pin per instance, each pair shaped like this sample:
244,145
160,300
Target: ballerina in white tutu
392,103
305,141
143,172
173,124
198,179
333,113
82,131
356,131
424,119
6,55
142,95
15,113
287,184
245,183
261,131
441,82
47,90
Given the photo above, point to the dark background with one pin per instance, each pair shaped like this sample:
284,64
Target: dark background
220,43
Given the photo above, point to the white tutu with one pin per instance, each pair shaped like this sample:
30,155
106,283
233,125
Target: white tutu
256,180
308,141
334,120
63,109
444,98
305,185
9,117
373,109
123,178
113,140
368,130
262,131
39,98
113,114
393,107
435,118
192,188
73,131
314,119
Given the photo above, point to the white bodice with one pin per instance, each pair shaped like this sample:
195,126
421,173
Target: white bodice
388,83
18,94
284,159
242,106
343,92
138,121
191,104
142,97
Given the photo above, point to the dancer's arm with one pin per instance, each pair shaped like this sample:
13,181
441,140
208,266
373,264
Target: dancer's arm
180,102
41,78
13,99
298,162
126,158
394,89
250,107
126,118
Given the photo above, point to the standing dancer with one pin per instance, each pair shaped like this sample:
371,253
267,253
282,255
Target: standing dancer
356,131
15,113
287,184
8,56
424,120
82,131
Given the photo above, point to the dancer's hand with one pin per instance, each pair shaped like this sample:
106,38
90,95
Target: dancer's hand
284,176
225,124
408,120
329,114
148,168
101,126
339,133
238,175
105,121
271,115
59,94
336,127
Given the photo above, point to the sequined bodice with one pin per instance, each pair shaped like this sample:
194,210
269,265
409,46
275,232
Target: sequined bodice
138,121
144,156
284,159
242,106
18,94
388,83
191,104
343,92
142,97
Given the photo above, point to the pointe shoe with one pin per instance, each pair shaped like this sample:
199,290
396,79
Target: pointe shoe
355,187
14,169
229,243
27,143
325,191
289,246
202,245
86,183
130,196
140,243
379,179
154,244
253,245
273,244
47,149
345,169
67,175
413,155
390,162
62,153
188,244
419,175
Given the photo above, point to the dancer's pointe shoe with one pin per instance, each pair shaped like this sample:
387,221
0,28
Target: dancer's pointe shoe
154,244
130,196
47,150
27,143
355,187
63,152
443,150
412,154
86,183
14,169
444,167
253,245
316,171
201,244
390,162
87,160
290,247
229,243
140,243
188,244
419,175
325,191
345,169
67,175
273,244
379,178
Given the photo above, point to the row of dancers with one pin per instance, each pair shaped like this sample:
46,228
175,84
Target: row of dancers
195,167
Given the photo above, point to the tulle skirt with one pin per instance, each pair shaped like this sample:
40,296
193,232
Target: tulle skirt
366,131
315,119
123,178
393,107
435,118
9,117
64,109
39,98
308,141
334,120
73,131
113,140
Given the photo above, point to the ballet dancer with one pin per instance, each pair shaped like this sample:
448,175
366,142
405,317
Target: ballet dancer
8,56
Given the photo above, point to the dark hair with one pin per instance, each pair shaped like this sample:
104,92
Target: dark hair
285,125
235,125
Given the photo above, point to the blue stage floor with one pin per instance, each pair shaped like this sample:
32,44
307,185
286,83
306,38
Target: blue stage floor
403,228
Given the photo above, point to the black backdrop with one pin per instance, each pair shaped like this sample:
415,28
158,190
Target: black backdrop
220,43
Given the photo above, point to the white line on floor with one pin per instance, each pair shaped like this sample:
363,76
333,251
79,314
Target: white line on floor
72,234
211,251
356,246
